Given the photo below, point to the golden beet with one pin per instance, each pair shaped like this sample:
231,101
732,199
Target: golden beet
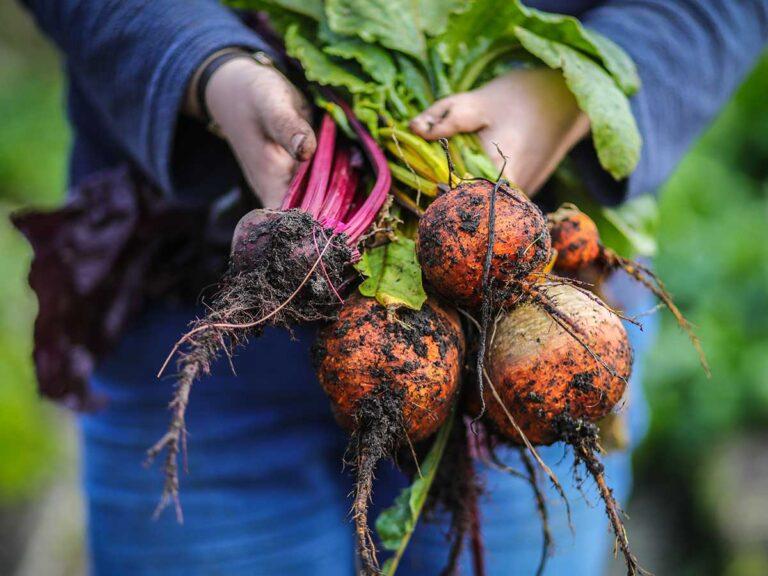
545,377
575,237
417,355
453,241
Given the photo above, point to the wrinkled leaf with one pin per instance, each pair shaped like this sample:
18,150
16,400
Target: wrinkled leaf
391,23
396,524
614,131
375,61
319,67
618,63
492,23
434,14
393,274
483,22
569,31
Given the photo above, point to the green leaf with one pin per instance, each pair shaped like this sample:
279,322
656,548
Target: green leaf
638,221
396,524
391,23
434,14
482,23
569,31
375,61
413,82
492,23
319,67
618,62
393,274
614,131
310,8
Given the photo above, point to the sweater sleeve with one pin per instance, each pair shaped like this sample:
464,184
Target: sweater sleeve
691,55
133,60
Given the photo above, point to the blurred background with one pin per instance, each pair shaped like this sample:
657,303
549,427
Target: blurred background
700,505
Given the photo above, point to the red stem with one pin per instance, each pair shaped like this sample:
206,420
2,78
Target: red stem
296,189
364,216
343,179
354,194
321,168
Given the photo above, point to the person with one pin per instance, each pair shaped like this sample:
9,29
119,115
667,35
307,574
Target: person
265,492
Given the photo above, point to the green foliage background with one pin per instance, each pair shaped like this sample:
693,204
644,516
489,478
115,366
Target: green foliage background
713,256
33,153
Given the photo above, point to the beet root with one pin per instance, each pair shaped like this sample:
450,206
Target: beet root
545,376
575,237
454,235
551,386
284,269
391,377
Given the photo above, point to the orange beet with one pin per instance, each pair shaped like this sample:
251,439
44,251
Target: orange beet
391,377
453,241
575,237
545,377
416,354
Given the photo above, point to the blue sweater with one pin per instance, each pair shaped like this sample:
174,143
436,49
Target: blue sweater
129,62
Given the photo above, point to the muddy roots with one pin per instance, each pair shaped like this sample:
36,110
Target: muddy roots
583,438
292,275
378,431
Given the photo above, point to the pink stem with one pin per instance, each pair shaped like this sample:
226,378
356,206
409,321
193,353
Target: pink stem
340,181
321,168
354,195
363,218
295,190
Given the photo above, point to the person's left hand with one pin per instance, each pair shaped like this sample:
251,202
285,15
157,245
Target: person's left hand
530,114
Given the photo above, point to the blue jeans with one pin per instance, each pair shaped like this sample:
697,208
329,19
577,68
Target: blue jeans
265,493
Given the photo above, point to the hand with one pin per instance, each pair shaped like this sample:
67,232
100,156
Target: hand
530,114
264,119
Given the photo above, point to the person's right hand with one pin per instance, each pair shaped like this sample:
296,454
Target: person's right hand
266,122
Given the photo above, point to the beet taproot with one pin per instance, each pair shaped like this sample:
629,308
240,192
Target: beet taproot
391,377
575,237
546,377
454,235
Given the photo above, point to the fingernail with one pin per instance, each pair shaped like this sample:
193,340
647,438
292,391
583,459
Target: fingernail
428,122
297,145
424,122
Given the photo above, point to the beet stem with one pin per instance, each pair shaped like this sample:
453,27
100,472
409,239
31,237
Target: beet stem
321,168
343,183
322,266
475,533
365,215
296,189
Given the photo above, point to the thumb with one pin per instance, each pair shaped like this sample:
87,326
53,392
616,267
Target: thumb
288,128
449,116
